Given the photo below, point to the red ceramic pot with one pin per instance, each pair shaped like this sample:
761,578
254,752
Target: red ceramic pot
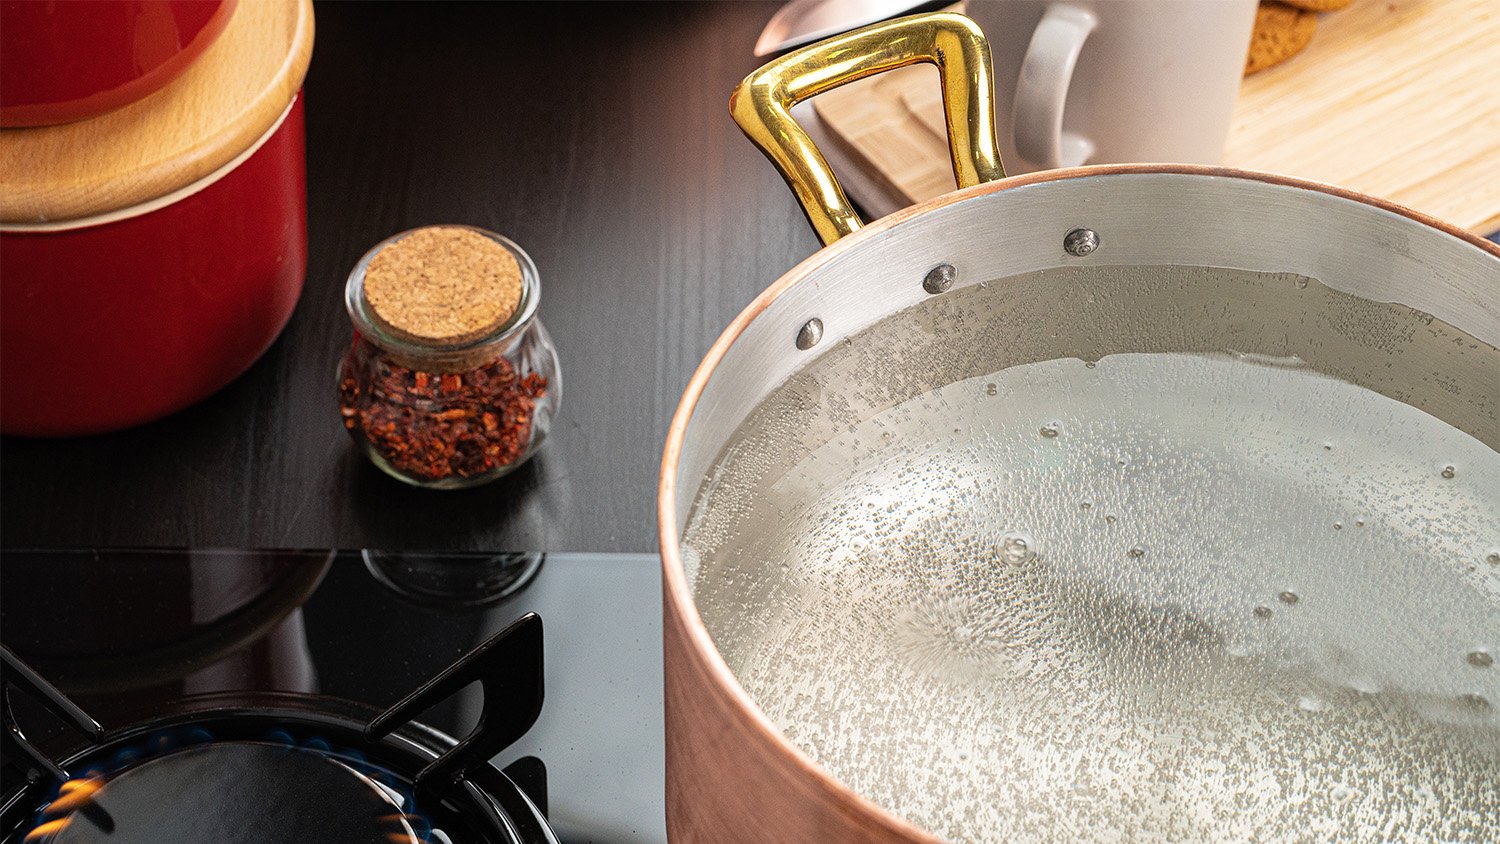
115,323
75,59
150,255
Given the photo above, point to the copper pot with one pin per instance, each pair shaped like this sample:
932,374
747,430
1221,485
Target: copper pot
731,773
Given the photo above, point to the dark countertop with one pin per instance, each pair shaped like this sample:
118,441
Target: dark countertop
599,139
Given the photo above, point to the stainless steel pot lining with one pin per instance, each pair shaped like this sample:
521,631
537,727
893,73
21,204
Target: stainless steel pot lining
1142,219
1204,552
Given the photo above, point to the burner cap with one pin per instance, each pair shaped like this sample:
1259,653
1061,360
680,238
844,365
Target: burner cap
236,791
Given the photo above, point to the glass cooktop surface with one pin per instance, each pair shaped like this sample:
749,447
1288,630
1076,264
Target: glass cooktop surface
131,634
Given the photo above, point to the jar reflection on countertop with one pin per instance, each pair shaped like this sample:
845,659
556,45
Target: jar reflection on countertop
451,380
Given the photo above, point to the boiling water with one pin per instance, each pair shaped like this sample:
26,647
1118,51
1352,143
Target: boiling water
1155,596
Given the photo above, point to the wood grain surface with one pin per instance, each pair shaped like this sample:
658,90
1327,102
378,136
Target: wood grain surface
225,102
598,137
1390,99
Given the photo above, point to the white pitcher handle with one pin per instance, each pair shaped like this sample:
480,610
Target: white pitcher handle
1042,90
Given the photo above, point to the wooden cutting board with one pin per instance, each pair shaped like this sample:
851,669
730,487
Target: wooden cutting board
1394,98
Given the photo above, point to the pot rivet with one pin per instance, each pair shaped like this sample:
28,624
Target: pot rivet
811,333
939,279
1080,242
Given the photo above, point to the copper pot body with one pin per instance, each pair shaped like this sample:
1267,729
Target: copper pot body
731,774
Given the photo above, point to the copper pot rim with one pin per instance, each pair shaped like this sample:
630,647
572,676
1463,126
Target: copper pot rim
675,588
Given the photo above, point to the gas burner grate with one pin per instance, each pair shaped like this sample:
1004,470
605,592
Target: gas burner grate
289,767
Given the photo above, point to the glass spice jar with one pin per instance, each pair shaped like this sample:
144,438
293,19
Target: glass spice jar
451,380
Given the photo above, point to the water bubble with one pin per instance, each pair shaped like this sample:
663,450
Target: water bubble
1449,472
1084,505
1311,703
1338,525
1342,793
1051,429
1476,702
1090,364
1121,462
1015,547
1109,519
1359,522
1289,597
1137,551
991,389
1480,659
1493,557
1328,446
1262,612
1301,283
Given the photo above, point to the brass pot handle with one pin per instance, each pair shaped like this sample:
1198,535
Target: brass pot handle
762,102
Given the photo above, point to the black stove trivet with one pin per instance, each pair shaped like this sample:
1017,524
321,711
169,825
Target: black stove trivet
287,767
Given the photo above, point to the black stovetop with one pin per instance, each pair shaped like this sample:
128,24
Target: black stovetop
130,634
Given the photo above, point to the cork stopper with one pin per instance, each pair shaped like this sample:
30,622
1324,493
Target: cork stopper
443,285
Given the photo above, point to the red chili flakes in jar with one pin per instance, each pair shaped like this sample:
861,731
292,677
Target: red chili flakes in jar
451,380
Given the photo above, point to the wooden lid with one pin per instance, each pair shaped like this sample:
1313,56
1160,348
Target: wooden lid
217,109
443,285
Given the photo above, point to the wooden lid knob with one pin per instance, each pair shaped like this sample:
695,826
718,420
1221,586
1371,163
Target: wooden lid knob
443,285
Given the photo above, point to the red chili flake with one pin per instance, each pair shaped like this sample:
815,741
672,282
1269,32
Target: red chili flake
463,425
